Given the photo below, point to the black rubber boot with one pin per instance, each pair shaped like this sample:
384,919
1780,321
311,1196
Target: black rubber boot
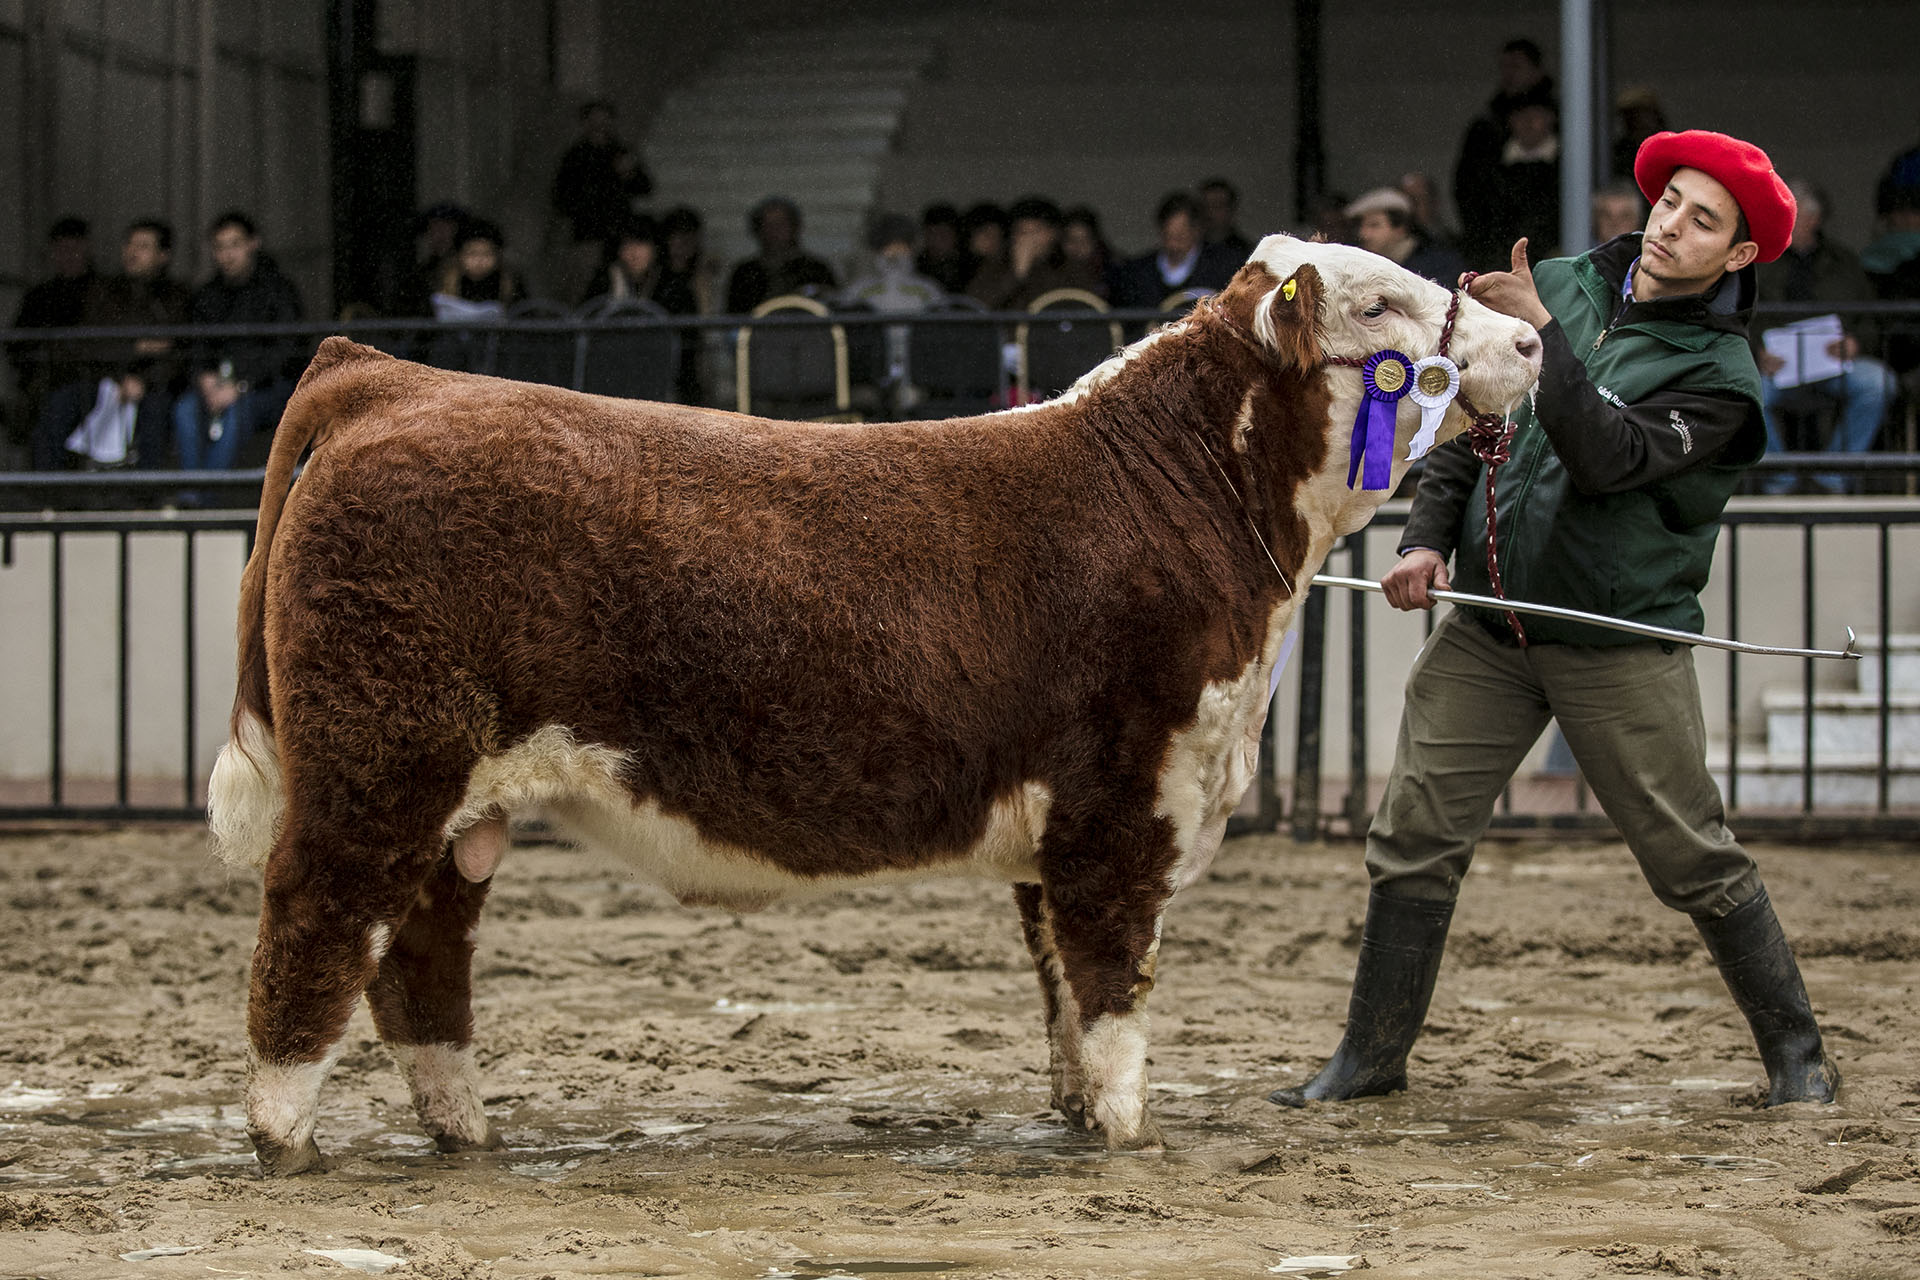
1760,971
1400,950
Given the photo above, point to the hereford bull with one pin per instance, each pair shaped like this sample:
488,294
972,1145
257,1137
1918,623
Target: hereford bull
757,657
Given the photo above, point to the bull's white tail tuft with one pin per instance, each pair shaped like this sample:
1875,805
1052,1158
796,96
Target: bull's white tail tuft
245,797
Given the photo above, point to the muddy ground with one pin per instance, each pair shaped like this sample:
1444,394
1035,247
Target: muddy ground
856,1085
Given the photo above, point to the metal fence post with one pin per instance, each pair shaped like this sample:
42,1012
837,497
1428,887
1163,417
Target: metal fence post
1306,747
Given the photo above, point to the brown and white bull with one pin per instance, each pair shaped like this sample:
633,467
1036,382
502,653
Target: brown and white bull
756,658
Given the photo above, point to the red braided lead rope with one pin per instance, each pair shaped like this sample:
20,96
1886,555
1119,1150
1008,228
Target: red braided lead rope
1491,437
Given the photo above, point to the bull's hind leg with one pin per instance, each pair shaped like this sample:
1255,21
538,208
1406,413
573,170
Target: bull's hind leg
328,914
1062,1011
422,1004
1104,907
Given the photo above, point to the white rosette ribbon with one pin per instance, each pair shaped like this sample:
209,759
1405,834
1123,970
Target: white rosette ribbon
1433,398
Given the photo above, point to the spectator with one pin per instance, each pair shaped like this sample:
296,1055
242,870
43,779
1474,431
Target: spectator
54,303
1618,210
1526,185
1637,117
1087,258
686,277
634,267
1892,262
1327,217
1899,185
1033,264
130,380
942,256
1818,269
239,385
1219,212
892,286
436,234
781,266
1383,224
599,178
983,230
478,281
1476,187
1418,188
1181,262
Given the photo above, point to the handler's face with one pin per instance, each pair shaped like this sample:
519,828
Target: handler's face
1690,234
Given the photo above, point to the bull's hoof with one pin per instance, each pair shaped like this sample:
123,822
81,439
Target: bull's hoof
1146,1138
1074,1107
454,1143
282,1160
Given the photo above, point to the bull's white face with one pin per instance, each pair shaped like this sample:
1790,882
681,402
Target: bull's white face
1369,304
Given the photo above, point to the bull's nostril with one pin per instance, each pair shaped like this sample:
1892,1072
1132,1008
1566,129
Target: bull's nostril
1528,345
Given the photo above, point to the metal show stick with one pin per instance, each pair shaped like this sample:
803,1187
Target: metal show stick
1602,620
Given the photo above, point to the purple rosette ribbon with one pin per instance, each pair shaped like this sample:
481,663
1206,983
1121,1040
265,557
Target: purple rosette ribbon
1385,378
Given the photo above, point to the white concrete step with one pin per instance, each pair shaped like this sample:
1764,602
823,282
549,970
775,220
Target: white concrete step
1845,782
1846,722
1903,659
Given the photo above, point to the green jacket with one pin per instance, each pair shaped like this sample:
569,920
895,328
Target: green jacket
1645,415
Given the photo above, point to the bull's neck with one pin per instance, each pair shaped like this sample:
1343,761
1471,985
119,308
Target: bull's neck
1207,411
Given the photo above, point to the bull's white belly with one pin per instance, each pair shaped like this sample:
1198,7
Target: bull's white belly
578,787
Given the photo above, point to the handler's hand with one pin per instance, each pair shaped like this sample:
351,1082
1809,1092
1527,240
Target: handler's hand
1511,292
1420,571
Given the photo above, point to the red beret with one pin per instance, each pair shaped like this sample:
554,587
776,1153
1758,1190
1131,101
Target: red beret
1742,168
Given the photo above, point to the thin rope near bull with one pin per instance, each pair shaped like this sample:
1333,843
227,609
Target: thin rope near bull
1489,435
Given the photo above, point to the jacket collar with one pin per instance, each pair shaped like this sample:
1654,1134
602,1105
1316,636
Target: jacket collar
1725,308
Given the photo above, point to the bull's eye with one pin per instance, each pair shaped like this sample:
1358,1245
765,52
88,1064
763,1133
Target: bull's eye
1378,309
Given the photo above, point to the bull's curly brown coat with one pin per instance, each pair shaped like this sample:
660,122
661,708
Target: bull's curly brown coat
833,648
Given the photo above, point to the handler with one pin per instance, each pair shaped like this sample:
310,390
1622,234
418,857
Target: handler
1647,411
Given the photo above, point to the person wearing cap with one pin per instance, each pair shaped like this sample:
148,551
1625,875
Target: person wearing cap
1646,413
1383,223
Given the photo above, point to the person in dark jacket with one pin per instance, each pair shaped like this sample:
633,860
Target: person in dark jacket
594,188
782,266
1647,411
1181,261
238,385
53,303
143,372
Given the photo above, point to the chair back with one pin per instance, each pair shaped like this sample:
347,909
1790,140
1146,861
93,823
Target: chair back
956,368
634,364
1064,343
791,371
547,356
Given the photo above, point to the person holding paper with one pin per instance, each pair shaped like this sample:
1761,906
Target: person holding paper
1646,415
1817,364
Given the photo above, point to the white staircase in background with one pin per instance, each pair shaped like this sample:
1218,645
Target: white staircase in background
1846,738
807,113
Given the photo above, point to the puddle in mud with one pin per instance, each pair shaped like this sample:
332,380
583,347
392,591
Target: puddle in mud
809,1269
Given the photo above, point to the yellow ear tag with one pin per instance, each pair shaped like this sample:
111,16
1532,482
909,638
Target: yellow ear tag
1288,289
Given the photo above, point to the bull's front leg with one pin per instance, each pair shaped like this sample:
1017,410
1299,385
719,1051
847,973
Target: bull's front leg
422,1000
1104,910
1061,1009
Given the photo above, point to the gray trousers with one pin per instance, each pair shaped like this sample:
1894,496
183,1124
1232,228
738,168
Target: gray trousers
1631,715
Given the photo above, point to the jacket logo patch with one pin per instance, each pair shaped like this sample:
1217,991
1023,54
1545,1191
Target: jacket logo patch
1681,425
1610,398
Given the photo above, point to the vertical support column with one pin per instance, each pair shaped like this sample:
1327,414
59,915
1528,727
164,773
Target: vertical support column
1576,124
1309,148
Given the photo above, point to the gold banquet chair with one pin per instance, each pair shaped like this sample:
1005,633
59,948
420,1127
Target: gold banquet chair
1063,341
792,371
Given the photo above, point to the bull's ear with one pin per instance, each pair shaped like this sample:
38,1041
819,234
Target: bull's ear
1288,318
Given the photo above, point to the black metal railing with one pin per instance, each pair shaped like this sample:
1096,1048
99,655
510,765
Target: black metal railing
1880,816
